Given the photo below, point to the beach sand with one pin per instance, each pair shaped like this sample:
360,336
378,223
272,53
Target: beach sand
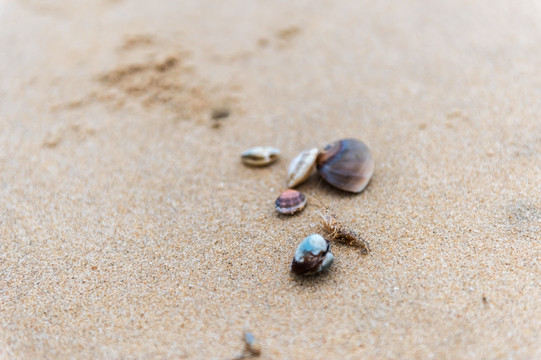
129,228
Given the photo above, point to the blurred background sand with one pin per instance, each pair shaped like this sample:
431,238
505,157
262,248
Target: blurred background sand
130,229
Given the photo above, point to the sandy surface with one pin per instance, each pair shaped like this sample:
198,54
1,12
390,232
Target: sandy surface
130,229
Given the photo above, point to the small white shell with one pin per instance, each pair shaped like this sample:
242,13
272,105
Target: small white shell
301,167
260,155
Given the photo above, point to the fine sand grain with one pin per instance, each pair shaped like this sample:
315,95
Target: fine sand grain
129,228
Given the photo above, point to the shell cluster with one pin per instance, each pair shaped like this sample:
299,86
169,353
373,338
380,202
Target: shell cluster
312,256
345,164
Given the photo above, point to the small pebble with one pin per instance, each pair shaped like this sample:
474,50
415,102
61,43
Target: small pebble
219,113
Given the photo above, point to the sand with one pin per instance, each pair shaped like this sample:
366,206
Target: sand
129,228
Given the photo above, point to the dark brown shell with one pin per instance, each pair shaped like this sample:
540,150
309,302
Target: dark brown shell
310,265
346,164
290,201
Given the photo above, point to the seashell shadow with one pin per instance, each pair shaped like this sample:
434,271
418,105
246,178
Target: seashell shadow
287,216
314,280
316,184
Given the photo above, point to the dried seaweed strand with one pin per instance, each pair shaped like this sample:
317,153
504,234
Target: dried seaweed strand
339,232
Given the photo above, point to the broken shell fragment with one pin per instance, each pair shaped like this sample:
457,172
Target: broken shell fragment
301,167
312,256
290,201
346,164
251,346
260,156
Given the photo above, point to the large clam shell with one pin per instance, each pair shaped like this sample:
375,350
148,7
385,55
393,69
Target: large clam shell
312,256
346,164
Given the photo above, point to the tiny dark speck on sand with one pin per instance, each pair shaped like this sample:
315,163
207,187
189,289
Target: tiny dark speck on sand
221,113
